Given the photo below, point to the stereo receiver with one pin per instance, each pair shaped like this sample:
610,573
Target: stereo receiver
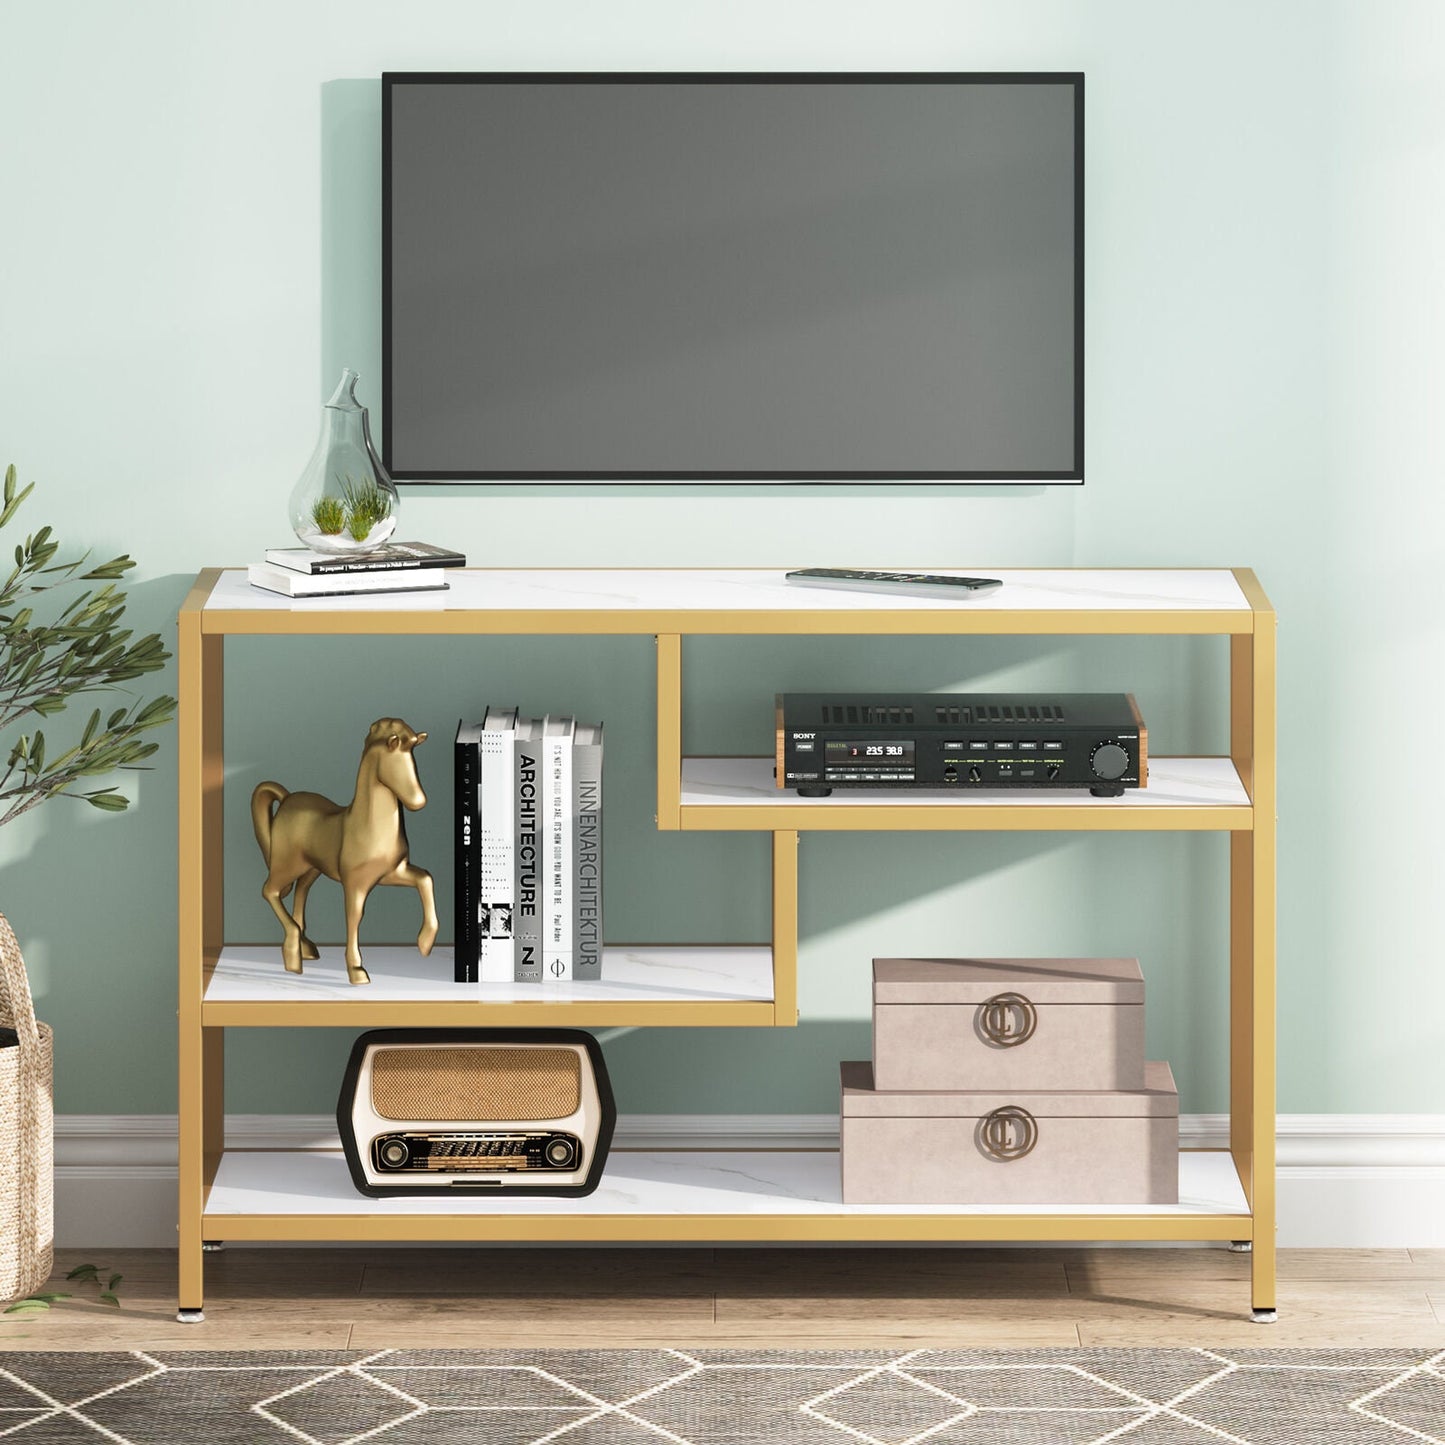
476,1111
960,741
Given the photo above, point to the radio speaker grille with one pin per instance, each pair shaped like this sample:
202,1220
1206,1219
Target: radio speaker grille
480,1083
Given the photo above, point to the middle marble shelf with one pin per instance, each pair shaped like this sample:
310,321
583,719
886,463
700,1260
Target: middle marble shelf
656,984
1188,794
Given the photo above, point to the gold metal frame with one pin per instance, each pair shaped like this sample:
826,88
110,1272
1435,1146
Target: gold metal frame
1252,921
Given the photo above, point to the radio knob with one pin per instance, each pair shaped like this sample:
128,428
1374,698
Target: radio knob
394,1153
559,1153
1109,761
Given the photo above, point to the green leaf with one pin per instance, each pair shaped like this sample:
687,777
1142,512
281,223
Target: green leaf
90,728
115,1279
106,1298
9,484
28,1307
85,1272
108,801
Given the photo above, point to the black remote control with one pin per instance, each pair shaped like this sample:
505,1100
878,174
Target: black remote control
931,583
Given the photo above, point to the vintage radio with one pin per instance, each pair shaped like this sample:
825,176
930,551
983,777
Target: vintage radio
960,741
476,1111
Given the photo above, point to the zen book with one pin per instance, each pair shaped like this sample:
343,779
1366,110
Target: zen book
587,853
558,883
527,894
466,858
497,835
393,557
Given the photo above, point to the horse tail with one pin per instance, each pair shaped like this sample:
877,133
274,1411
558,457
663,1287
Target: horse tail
261,816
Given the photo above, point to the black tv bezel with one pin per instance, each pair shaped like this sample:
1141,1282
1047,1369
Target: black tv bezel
1075,79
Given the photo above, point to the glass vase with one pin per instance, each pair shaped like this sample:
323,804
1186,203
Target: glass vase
344,501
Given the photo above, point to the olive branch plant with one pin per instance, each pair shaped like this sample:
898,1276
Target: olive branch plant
45,665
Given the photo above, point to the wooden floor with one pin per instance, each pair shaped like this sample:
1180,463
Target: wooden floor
369,1299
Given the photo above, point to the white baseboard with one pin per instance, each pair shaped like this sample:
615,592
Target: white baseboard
1346,1181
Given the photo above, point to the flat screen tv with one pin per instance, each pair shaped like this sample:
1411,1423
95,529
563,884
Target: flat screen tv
733,277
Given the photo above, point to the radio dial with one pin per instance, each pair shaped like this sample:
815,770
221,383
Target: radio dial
394,1153
1109,761
559,1153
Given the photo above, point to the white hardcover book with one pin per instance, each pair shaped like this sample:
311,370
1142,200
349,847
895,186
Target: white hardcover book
498,838
557,889
527,906
587,852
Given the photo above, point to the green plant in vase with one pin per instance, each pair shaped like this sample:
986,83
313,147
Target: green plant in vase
367,506
329,514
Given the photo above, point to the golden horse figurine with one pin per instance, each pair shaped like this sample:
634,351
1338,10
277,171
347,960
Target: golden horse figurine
360,845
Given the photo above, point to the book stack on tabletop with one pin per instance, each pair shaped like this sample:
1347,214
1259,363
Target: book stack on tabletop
528,849
396,567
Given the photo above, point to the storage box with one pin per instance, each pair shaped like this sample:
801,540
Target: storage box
1006,1148
1008,1023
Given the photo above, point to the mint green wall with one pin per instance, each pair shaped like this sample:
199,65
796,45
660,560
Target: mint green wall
189,253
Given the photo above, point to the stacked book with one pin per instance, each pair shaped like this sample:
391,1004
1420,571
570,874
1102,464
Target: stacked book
528,849
396,567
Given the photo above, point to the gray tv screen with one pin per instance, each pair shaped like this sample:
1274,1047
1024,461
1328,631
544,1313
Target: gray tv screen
726,277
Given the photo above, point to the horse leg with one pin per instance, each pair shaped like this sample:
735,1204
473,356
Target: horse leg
273,890
355,906
407,874
298,911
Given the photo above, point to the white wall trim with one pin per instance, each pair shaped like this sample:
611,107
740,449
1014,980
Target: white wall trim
1346,1181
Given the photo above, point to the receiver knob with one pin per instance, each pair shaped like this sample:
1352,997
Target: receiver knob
1109,761
394,1153
559,1152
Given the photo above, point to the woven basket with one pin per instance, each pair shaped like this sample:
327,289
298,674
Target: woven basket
27,1126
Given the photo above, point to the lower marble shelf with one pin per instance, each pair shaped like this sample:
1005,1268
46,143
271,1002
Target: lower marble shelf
698,1196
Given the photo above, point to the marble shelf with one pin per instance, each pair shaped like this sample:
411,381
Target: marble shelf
743,601
1183,793
643,984
715,1194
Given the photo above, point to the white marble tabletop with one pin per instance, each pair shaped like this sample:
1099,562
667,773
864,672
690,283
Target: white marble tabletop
741,590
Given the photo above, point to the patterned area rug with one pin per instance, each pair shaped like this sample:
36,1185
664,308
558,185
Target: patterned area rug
723,1397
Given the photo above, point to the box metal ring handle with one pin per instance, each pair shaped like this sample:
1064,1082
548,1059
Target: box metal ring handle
1007,1019
1008,1133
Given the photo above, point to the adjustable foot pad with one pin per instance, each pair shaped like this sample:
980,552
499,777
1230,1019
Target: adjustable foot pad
1241,1246
1265,1317
190,1317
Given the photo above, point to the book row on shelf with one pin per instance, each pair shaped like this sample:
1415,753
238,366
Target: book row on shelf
528,848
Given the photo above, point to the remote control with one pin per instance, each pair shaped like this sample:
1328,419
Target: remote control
929,583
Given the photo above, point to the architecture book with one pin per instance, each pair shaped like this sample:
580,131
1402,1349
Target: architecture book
558,884
587,852
527,893
497,840
466,859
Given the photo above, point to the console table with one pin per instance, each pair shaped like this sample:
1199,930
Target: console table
711,1196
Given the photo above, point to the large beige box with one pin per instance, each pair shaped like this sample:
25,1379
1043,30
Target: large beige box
1008,1023
1014,1147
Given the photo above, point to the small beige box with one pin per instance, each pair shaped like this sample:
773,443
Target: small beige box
1008,1023
1019,1147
